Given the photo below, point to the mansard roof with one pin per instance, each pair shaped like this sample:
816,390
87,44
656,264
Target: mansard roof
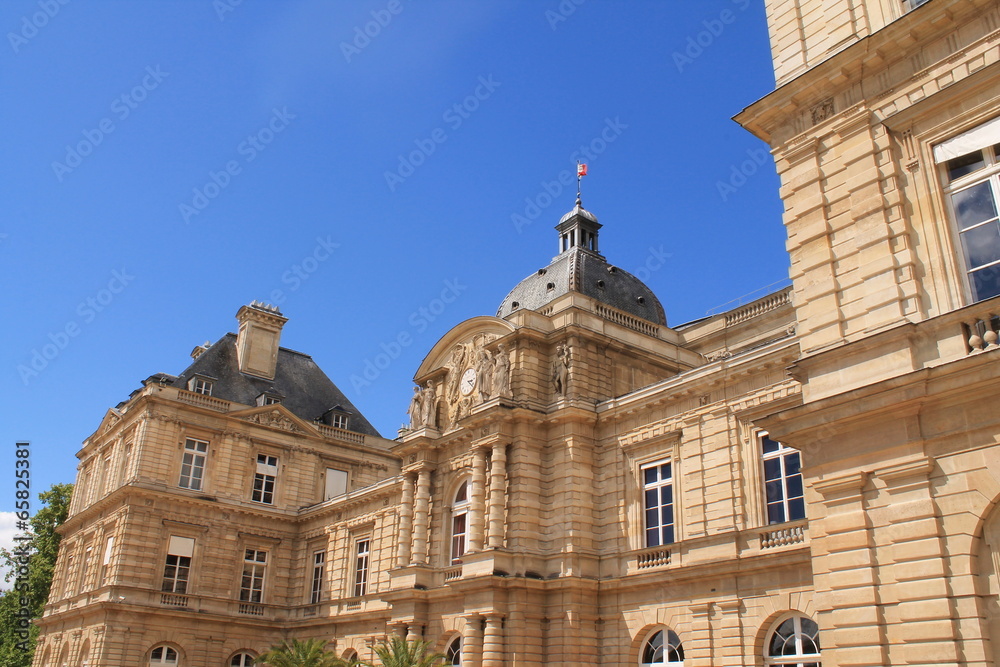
306,390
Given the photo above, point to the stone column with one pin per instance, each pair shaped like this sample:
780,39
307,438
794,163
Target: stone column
472,642
405,523
420,519
498,495
477,500
493,641
413,632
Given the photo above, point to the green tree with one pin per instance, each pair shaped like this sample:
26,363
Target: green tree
30,593
310,653
397,652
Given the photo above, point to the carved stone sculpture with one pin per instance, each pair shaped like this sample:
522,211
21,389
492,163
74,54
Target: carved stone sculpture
501,373
429,399
416,409
560,370
484,374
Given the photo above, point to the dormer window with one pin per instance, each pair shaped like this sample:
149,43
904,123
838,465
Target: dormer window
268,399
336,417
201,385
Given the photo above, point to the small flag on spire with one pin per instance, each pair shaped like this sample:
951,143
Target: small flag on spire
581,169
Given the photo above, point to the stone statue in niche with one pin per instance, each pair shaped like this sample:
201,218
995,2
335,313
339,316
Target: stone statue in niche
416,410
484,373
501,373
560,370
429,400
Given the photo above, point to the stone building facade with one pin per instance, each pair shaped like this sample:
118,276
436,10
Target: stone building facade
810,478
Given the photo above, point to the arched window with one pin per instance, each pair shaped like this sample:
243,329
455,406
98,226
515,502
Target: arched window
242,659
663,648
454,652
161,656
794,641
350,655
459,522
85,654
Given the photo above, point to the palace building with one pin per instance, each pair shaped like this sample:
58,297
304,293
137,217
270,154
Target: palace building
811,478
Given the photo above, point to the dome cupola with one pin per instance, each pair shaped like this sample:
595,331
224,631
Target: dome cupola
580,267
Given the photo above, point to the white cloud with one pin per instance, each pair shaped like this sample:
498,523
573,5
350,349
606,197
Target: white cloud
7,533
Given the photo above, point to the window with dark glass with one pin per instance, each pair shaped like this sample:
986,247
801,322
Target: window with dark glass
264,478
193,464
658,503
795,641
783,488
361,562
972,189
252,582
318,572
663,648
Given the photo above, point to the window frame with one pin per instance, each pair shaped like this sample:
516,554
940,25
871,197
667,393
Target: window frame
362,565
164,656
318,578
988,173
200,384
800,658
657,485
244,655
265,485
667,645
459,522
194,454
453,652
257,577
782,454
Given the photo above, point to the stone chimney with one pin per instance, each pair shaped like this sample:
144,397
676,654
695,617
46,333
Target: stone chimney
258,339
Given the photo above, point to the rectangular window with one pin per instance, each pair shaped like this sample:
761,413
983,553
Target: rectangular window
971,171
177,570
106,561
336,483
782,481
85,567
193,464
201,386
458,530
126,464
339,421
263,480
658,503
105,475
318,575
361,566
70,571
252,583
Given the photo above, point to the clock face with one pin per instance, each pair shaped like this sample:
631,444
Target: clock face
468,382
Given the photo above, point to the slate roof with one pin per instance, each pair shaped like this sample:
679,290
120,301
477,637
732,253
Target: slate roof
588,273
304,387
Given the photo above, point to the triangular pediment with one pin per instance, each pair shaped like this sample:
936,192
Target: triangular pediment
275,416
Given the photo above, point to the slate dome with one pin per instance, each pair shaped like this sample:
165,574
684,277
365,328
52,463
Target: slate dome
581,268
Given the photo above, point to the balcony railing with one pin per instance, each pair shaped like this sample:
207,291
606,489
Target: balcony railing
787,534
203,401
653,558
173,600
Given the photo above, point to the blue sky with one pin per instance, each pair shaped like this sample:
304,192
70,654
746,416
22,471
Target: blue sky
169,161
